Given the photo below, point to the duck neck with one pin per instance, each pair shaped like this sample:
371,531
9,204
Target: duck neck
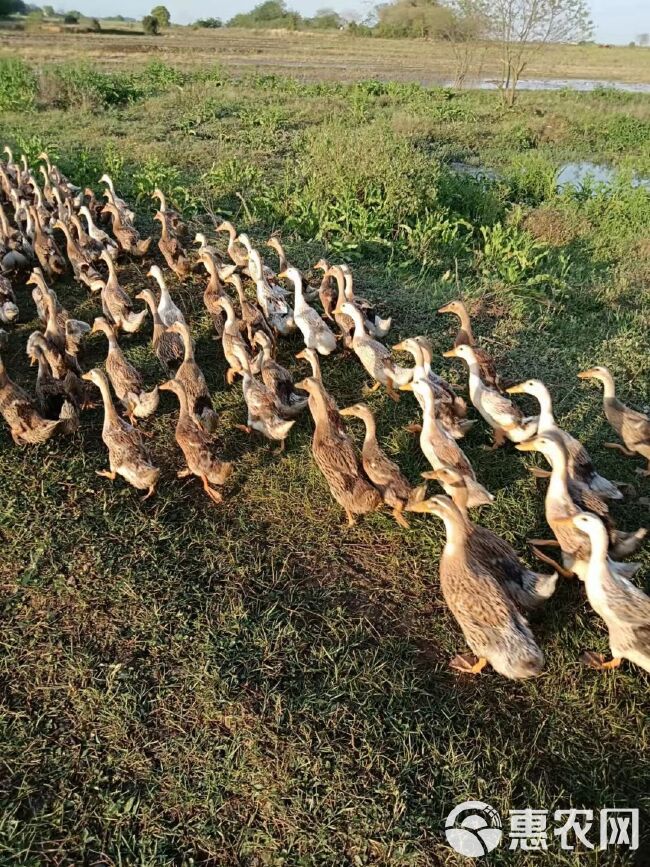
299,296
558,487
456,531
466,325
348,285
359,330
188,355
318,406
546,417
609,389
110,413
370,438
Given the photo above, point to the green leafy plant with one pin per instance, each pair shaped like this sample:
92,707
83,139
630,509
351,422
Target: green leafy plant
18,85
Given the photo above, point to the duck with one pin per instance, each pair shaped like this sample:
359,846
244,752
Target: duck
328,294
495,630
8,307
126,235
344,322
235,349
632,426
236,250
465,337
374,356
167,346
126,381
191,376
333,413
505,419
46,249
272,301
82,264
204,247
72,330
384,474
97,234
314,329
263,409
275,244
56,398
290,402
374,325
197,446
450,409
252,316
173,251
580,466
213,291
562,502
172,218
89,246
127,455
624,607
441,449
94,206
114,200
26,425
528,589
167,309
116,304
337,458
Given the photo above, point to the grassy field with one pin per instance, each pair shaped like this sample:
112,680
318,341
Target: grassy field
256,684
321,56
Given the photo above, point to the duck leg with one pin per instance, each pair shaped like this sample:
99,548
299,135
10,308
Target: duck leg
183,474
597,661
619,448
565,573
500,438
244,428
215,496
399,517
391,391
468,664
539,473
371,389
230,375
414,428
150,493
107,474
351,519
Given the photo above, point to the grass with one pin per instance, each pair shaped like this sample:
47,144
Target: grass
255,684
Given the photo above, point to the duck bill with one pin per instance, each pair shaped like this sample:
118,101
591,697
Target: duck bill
87,377
431,475
446,308
451,353
348,410
282,275
166,386
528,446
587,374
422,506
399,347
408,386
516,389
565,522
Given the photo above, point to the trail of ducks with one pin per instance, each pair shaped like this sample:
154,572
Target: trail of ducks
49,229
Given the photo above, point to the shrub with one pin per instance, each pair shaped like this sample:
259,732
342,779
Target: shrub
211,23
18,85
150,25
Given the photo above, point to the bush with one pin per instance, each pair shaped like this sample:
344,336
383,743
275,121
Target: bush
150,25
211,23
18,85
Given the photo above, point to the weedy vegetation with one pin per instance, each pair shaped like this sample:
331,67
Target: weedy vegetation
254,683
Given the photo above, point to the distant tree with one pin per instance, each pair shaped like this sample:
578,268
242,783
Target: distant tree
522,27
49,12
161,14
11,7
94,25
212,23
325,19
150,25
71,18
465,31
415,18
643,39
269,14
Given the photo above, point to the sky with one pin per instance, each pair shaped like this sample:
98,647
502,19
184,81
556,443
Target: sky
617,21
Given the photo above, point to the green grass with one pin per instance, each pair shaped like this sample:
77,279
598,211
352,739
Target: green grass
256,684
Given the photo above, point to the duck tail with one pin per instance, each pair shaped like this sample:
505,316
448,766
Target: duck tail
417,495
400,375
477,494
600,485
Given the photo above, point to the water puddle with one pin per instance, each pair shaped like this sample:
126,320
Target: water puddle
573,175
582,85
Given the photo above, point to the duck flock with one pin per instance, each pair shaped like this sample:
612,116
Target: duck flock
48,227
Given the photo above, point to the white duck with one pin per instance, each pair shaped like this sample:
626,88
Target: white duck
98,234
375,326
506,420
315,331
374,356
115,200
167,310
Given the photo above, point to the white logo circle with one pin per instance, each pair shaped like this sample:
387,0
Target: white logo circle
478,833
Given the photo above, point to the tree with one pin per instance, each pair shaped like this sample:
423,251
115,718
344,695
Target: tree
466,32
162,16
150,25
643,39
412,18
11,7
212,23
522,27
325,19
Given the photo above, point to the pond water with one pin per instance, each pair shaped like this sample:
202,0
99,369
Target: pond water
584,85
569,175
